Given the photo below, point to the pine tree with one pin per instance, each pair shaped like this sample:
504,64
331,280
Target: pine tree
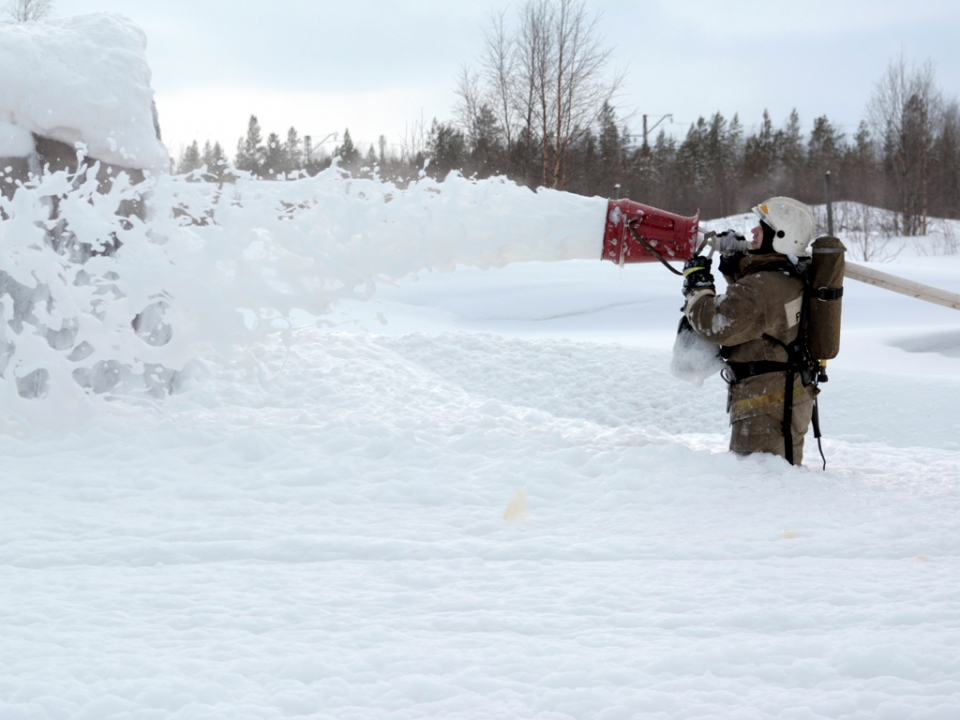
190,160
348,153
447,149
611,149
824,152
486,149
721,146
250,149
584,167
859,169
294,152
642,177
274,157
207,155
693,172
760,161
667,180
789,143
218,164
733,143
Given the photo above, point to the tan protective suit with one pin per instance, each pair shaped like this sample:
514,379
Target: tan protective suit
757,302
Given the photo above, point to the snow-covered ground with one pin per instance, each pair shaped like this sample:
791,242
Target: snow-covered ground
481,494
425,459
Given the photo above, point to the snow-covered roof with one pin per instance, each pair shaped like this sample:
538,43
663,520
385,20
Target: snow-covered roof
79,79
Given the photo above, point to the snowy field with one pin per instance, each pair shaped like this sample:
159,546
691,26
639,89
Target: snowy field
479,493
332,449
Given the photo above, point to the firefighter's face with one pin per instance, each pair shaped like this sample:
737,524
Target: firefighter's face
757,241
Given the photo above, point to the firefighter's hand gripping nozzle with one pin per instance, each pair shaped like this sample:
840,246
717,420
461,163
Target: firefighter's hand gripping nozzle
728,243
697,275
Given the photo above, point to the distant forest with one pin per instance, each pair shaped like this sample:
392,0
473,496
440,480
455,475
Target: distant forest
541,111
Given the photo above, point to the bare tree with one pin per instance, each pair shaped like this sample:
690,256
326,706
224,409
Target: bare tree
905,112
546,84
28,10
499,66
571,89
469,92
868,232
490,93
945,164
413,147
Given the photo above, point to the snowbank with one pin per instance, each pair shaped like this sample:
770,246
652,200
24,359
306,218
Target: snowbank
319,530
82,79
15,141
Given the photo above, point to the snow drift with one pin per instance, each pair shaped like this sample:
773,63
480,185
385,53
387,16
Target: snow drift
400,493
83,81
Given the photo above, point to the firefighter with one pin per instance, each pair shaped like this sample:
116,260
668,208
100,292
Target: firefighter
755,323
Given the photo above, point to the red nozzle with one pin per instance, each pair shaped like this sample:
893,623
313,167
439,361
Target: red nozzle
671,236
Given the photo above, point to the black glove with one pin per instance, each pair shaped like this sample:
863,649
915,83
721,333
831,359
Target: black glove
696,274
729,266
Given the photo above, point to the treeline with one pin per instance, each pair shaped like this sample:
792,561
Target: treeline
718,168
277,158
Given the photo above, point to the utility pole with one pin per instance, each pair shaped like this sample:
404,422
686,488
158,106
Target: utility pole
829,198
308,145
660,119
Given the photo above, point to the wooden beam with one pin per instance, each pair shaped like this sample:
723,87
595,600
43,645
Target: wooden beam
902,286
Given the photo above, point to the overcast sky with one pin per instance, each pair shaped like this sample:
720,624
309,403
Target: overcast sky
379,67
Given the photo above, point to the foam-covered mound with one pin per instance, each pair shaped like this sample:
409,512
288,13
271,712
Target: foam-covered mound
82,79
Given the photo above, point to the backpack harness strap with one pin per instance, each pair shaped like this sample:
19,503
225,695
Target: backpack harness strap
737,371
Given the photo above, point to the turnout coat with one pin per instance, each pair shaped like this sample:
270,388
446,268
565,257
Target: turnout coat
751,321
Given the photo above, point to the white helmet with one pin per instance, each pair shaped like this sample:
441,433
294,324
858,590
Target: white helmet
792,222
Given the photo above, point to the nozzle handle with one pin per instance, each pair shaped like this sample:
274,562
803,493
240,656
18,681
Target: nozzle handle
725,244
